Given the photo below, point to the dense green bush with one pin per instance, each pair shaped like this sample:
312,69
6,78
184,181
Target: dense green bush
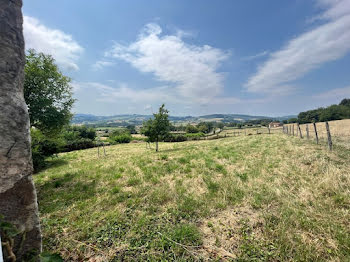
120,139
71,138
43,147
175,138
77,144
195,136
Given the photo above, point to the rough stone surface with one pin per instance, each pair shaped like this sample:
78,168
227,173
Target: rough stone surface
18,203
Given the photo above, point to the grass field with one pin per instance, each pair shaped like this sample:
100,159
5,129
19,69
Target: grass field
340,132
247,198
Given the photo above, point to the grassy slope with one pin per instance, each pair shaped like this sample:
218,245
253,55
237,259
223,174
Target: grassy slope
262,197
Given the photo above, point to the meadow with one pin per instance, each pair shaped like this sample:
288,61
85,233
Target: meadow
339,129
244,198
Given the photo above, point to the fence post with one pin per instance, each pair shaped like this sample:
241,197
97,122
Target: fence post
316,135
98,149
307,132
293,129
268,129
330,144
104,150
300,134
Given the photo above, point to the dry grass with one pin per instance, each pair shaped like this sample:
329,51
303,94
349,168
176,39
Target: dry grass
247,198
340,131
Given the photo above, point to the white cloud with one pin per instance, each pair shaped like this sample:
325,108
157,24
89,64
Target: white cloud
60,45
334,94
101,64
262,54
190,69
325,43
109,93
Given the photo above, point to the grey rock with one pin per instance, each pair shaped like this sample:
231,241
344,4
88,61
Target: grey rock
18,203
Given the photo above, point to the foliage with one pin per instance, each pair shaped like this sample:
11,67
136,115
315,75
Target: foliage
120,136
120,139
175,138
333,112
43,147
195,136
191,129
71,138
205,127
47,92
157,128
131,129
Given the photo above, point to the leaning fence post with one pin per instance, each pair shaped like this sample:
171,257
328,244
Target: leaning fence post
300,134
316,135
330,144
307,131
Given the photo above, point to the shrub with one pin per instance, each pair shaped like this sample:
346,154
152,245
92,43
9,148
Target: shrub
43,147
77,144
175,138
195,136
120,139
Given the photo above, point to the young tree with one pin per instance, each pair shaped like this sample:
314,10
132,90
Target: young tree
47,93
158,127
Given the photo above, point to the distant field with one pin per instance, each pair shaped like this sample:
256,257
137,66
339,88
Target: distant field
247,198
340,131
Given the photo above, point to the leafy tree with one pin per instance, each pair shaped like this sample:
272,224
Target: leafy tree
47,93
345,102
220,125
333,112
191,129
131,129
157,128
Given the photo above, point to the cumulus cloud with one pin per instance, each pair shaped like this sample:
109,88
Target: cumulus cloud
325,43
60,45
101,64
190,70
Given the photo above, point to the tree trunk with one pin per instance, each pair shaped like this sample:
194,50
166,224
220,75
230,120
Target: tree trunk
18,202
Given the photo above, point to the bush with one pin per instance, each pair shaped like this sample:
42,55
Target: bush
77,144
175,138
195,136
43,147
120,139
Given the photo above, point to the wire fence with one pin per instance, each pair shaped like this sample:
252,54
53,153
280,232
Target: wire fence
331,133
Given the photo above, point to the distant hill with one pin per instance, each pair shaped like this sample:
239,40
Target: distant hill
136,119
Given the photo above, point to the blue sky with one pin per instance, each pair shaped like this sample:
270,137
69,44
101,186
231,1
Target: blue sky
198,57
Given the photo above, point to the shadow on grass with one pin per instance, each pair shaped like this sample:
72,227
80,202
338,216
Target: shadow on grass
53,162
64,191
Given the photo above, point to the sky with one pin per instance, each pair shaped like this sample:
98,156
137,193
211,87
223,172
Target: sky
199,57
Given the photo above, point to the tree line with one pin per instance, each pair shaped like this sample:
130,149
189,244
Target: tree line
322,114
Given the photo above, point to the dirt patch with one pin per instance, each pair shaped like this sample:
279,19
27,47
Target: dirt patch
222,232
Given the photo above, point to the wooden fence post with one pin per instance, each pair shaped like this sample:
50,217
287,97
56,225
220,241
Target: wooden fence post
98,149
300,134
316,134
293,129
330,144
307,132
268,129
104,150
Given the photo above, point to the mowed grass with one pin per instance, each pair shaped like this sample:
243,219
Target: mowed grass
247,198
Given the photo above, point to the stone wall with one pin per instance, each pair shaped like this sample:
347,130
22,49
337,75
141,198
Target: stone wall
18,203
